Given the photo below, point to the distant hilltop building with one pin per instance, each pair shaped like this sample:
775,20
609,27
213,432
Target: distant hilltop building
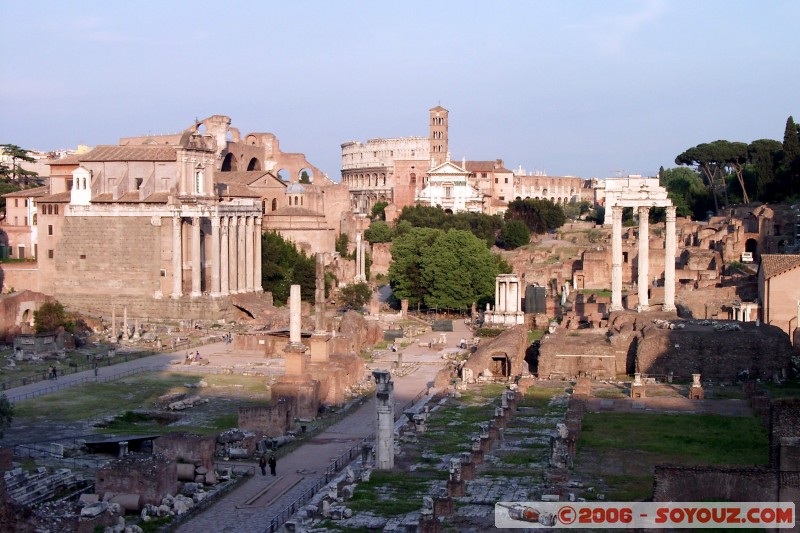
419,170
168,225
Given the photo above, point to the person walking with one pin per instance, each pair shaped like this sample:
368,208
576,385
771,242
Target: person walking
272,463
262,462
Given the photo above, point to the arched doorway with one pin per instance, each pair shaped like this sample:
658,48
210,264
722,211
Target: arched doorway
501,365
230,164
254,164
751,246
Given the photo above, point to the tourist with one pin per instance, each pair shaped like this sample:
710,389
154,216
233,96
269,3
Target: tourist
272,463
263,464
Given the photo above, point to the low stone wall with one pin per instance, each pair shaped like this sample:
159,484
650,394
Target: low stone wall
150,476
186,448
270,420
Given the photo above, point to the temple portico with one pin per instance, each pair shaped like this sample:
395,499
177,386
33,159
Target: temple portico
646,194
507,302
224,247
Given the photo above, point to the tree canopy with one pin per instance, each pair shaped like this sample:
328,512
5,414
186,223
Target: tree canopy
539,215
51,316
449,269
378,231
282,265
378,211
514,234
484,227
16,154
355,295
6,413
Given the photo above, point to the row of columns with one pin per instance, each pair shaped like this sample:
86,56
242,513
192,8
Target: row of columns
644,259
507,296
235,255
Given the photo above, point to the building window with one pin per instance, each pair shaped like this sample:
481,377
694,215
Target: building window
49,254
83,256
49,229
496,180
16,202
448,192
55,210
506,180
502,198
163,272
139,183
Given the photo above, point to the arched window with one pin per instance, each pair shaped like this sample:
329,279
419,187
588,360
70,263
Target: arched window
274,204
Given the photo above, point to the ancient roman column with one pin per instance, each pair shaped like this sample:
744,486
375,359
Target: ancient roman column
616,258
197,269
295,335
215,260
249,262
233,250
241,283
669,262
501,305
177,260
223,259
644,258
319,295
384,431
257,274
360,275
496,293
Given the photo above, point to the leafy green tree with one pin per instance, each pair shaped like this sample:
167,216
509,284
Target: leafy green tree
711,159
17,154
379,231
282,265
6,413
574,210
687,191
355,295
378,211
790,167
342,242
514,234
304,273
405,271
457,271
764,155
51,316
6,188
539,215
482,226
304,177
401,228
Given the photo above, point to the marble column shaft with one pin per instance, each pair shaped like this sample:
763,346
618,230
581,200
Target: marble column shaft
616,258
197,267
669,262
249,261
215,259
295,335
224,274
257,275
233,252
177,259
241,232
644,258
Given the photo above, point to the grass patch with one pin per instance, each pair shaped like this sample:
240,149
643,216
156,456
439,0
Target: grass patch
596,292
698,439
627,488
538,397
389,493
535,335
517,458
609,394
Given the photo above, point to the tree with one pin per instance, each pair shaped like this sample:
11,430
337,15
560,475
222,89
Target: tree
457,271
790,167
355,295
574,210
51,316
304,177
686,190
539,215
342,242
764,156
734,156
17,154
707,159
514,234
378,211
405,271
379,231
6,413
482,226
282,265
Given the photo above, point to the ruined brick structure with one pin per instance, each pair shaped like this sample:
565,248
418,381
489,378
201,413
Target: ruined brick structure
150,476
503,356
186,448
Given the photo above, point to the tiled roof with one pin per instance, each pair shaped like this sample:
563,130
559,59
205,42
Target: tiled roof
244,177
239,190
294,211
28,193
480,166
131,153
58,197
774,264
69,160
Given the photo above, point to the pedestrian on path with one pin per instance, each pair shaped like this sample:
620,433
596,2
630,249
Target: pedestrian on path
262,462
272,463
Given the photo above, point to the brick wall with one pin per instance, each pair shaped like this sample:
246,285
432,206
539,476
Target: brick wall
186,448
704,483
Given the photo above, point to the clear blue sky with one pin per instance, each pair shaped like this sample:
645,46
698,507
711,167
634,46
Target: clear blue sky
584,88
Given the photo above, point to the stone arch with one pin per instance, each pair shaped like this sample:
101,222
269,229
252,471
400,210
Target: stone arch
448,211
309,173
751,245
25,315
274,204
518,198
284,175
254,164
230,163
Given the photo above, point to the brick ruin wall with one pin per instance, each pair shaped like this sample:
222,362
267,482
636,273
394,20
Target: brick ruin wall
784,428
150,476
16,276
701,483
186,448
270,420
763,351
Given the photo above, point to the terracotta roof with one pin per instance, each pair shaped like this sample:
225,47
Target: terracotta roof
244,177
288,211
28,193
58,197
479,166
239,190
131,153
69,160
774,264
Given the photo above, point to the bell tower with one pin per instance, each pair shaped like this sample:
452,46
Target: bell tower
438,135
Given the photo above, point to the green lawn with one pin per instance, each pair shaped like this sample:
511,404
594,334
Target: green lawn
691,439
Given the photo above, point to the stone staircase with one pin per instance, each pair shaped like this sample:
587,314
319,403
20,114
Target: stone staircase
29,488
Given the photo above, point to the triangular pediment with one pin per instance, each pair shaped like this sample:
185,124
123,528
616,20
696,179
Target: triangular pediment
448,167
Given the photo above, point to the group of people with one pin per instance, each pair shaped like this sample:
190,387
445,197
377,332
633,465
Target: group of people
52,372
272,462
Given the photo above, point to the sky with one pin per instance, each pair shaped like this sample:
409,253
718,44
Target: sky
580,88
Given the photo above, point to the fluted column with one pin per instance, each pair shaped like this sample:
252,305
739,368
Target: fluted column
215,259
249,262
233,252
241,282
224,244
644,258
197,269
503,294
669,262
616,258
257,275
177,257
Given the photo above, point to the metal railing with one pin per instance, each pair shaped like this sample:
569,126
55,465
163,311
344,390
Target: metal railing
343,460
78,381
